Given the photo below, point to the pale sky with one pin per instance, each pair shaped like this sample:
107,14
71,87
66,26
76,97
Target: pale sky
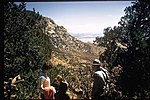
82,17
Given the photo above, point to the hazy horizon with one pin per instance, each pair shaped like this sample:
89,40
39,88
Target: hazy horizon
86,37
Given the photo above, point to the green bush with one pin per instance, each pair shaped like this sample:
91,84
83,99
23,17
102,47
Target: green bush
26,47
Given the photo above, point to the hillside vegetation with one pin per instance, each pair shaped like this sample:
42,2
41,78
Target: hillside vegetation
31,39
67,48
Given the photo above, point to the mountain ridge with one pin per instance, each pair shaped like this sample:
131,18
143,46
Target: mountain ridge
68,50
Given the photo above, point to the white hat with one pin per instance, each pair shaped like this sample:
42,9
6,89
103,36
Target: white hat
96,62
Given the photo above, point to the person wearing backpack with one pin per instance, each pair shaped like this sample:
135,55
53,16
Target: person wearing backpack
99,80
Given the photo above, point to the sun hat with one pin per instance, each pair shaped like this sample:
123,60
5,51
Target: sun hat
96,62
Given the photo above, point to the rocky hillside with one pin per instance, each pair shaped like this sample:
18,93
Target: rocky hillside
67,50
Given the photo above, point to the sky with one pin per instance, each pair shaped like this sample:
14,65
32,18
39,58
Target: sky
82,19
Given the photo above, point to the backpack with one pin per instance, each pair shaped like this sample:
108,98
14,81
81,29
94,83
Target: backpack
107,80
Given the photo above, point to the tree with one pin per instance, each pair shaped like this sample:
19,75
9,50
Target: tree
136,22
129,46
26,47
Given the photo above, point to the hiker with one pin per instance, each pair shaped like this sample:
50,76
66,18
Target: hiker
44,84
79,93
57,82
99,80
61,94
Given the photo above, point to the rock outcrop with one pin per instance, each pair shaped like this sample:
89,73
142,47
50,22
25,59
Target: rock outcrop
67,50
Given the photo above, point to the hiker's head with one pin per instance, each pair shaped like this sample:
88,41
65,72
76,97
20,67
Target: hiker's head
47,66
96,65
59,78
55,80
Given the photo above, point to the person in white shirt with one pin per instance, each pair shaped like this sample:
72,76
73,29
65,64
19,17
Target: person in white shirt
44,84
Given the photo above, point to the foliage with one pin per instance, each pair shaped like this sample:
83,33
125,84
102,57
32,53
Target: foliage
129,46
26,47
137,58
78,77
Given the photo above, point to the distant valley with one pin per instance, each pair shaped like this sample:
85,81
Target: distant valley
86,37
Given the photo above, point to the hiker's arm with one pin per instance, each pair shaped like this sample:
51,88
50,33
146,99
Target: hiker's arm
40,85
96,84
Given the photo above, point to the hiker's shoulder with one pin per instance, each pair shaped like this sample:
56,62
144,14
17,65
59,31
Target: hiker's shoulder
98,73
41,75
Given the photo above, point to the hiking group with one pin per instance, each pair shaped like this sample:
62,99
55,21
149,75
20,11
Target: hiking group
57,90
